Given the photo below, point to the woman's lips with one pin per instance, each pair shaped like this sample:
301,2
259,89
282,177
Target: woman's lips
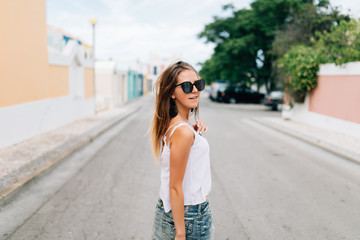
194,98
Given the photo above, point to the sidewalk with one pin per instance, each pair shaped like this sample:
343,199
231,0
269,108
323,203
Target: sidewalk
22,162
343,145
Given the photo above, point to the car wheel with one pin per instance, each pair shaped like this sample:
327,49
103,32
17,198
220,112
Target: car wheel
274,107
232,100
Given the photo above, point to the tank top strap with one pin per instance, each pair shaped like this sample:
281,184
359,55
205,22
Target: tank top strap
173,125
179,125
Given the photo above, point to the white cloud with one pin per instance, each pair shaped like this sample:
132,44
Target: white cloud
348,6
130,29
135,29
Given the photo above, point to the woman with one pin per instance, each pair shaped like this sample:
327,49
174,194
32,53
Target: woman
183,211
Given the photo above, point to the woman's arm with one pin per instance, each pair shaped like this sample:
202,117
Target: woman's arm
181,142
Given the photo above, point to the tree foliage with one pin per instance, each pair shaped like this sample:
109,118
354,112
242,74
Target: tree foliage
250,41
301,63
341,44
241,37
303,28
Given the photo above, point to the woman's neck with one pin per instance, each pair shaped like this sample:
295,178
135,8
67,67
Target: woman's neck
183,114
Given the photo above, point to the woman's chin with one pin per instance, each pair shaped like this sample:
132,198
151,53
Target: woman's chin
194,106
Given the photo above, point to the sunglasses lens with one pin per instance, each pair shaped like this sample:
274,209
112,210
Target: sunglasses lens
187,87
200,84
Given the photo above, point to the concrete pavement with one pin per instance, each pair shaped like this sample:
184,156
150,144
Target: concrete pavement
266,185
341,144
22,162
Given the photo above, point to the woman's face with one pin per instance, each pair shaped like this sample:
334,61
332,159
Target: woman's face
188,100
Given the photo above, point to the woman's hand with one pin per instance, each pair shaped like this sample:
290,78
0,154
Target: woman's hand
200,126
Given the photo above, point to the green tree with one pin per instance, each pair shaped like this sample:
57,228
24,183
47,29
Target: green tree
250,41
301,63
244,40
341,44
302,27
230,60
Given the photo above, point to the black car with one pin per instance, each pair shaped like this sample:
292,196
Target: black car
234,94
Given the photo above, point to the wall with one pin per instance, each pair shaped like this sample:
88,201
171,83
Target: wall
57,78
21,78
89,82
333,104
111,84
131,83
338,91
40,88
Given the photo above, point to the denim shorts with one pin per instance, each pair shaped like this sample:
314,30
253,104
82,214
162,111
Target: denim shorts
198,222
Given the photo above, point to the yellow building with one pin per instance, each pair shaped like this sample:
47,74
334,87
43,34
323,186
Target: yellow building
41,86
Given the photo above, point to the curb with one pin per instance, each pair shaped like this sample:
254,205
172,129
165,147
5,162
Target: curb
354,157
53,157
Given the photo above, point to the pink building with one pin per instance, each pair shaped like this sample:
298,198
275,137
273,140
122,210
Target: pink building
335,103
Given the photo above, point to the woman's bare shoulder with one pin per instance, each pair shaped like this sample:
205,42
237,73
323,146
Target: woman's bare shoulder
183,133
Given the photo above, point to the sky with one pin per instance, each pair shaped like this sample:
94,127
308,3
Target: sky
129,30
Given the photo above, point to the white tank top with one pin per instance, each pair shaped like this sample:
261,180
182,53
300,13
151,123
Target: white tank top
197,179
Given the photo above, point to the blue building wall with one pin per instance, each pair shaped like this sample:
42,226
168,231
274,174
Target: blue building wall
135,84
141,85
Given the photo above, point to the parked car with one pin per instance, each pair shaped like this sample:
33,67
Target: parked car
235,94
274,100
217,88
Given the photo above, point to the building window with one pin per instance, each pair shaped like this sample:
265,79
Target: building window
155,70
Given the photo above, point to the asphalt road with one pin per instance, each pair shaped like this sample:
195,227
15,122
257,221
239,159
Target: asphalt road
266,185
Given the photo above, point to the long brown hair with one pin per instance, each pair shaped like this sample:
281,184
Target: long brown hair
165,107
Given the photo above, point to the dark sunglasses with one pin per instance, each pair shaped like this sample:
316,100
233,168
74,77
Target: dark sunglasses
187,87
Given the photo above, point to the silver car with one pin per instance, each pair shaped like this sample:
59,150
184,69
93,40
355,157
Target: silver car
274,100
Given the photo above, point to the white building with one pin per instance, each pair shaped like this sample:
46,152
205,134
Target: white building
111,85
156,65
